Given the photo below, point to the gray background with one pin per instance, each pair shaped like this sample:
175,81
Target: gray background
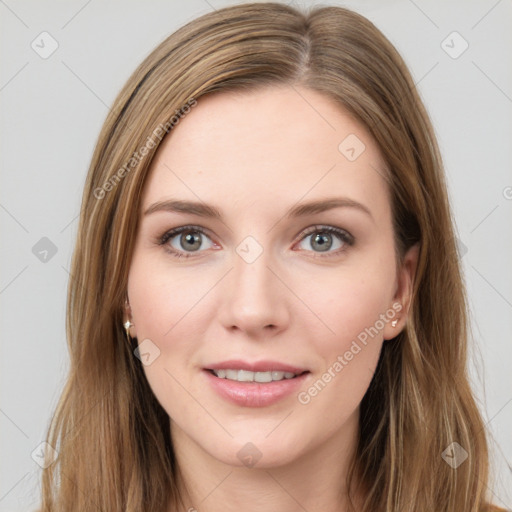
52,110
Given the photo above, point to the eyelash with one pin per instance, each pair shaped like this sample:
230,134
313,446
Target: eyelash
342,235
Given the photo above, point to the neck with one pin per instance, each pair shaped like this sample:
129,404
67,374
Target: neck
314,481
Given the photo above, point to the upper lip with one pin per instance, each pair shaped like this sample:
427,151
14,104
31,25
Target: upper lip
256,366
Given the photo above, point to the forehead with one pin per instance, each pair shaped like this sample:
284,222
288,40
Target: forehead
267,146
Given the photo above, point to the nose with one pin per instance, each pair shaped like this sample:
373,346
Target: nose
254,300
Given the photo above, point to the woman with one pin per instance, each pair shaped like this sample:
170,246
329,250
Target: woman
266,309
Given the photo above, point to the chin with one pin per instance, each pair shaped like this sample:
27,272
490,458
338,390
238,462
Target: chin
256,449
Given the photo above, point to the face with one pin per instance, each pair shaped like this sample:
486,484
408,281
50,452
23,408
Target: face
264,281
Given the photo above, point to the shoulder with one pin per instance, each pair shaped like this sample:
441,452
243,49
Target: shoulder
494,508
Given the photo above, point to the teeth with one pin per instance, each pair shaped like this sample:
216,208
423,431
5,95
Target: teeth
231,374
264,377
247,376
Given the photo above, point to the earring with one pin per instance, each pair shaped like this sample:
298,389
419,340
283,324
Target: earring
127,326
393,323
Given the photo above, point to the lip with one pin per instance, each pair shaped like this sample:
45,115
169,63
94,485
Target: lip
255,394
257,366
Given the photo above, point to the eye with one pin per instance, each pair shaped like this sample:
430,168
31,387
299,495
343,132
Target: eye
325,238
185,239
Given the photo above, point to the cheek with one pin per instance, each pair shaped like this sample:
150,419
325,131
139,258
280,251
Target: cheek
162,302
161,297
355,310
349,356
170,308
350,303
159,304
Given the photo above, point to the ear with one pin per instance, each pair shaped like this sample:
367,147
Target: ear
403,294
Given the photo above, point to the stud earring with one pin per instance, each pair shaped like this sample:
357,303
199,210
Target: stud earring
393,323
127,326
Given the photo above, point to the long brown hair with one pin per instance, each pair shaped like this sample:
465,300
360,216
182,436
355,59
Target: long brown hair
111,434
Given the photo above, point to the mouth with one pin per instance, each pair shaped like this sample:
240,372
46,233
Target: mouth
249,376
254,384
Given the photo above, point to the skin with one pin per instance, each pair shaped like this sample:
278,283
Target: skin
254,155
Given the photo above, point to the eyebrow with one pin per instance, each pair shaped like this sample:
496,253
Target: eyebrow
205,210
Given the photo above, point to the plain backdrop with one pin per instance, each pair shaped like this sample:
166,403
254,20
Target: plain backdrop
52,109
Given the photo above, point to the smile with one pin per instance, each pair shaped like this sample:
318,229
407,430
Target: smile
256,384
248,376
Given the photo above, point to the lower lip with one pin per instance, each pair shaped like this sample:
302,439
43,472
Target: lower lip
254,394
